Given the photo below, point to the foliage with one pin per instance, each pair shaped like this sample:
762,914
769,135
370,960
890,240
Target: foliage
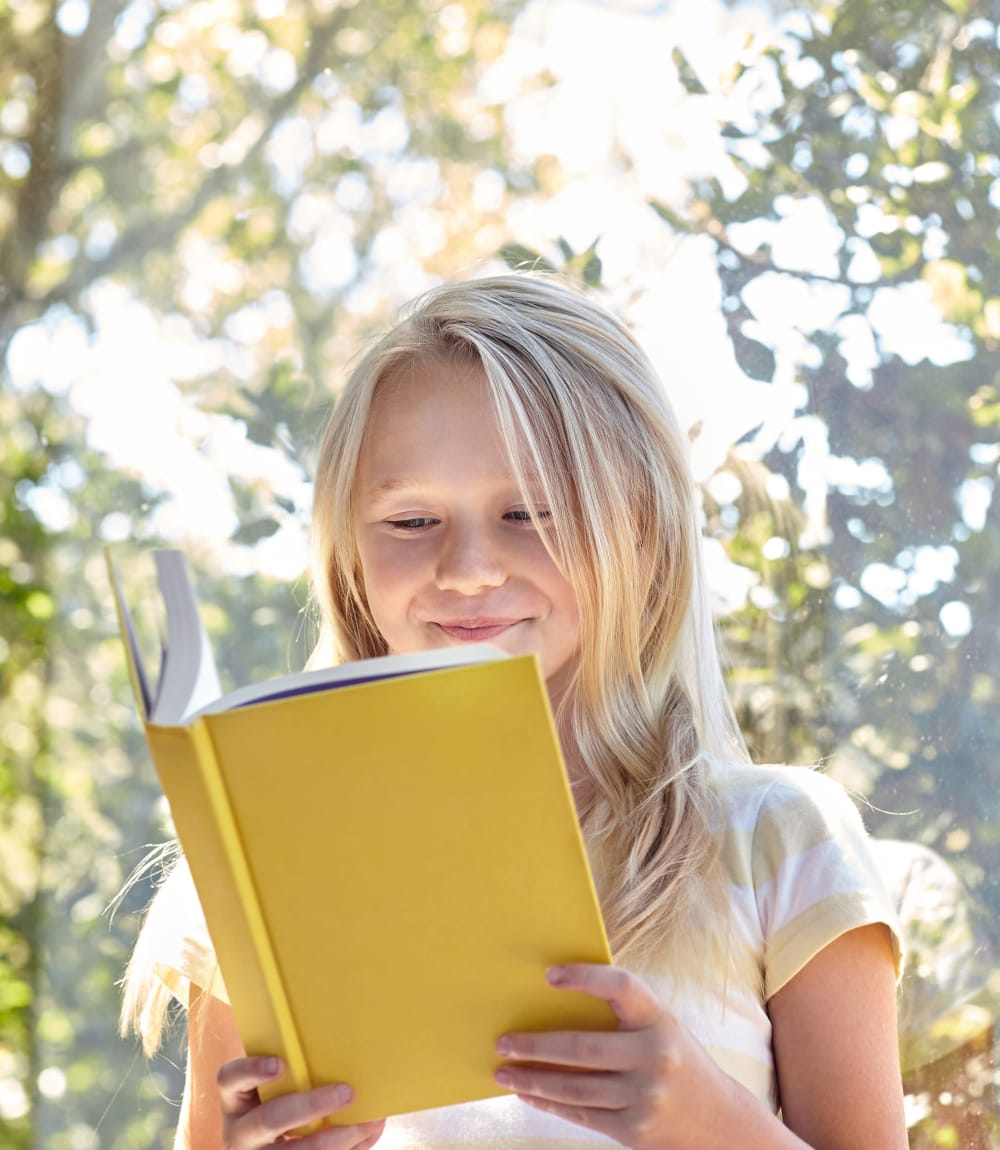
233,168
887,129
870,639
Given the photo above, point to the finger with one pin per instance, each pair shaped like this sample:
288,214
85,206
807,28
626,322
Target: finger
239,1079
586,1049
265,1123
360,1137
592,1091
373,1131
628,996
602,1121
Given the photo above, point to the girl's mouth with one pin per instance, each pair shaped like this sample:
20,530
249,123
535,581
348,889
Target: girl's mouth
476,630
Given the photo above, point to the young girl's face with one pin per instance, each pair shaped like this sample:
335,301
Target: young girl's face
449,552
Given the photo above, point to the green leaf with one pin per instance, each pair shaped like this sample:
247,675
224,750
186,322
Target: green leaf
755,359
520,258
677,222
250,533
592,271
687,75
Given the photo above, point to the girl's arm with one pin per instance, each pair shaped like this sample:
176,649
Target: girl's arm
221,1109
836,1047
212,1040
652,1086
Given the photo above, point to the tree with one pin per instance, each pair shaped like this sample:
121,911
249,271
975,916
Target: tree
872,641
204,209
227,177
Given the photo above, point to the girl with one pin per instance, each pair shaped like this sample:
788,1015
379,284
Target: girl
503,466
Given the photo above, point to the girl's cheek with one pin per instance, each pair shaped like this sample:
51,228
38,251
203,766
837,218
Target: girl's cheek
390,564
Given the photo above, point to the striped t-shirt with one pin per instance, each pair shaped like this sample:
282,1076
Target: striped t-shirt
801,873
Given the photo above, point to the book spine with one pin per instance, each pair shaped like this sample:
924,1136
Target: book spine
296,1066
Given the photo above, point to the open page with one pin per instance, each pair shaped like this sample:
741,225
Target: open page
189,680
349,674
189,683
136,665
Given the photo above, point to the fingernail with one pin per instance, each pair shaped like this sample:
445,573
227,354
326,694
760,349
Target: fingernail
338,1095
503,1077
556,975
271,1067
503,1045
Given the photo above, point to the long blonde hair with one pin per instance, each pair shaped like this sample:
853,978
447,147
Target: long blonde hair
580,411
646,713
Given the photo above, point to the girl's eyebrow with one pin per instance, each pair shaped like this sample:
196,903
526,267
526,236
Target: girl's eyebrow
394,484
390,486
385,488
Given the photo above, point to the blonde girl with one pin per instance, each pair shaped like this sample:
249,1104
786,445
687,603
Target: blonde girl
503,466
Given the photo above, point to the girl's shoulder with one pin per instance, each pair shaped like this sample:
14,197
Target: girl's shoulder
752,793
780,818
799,861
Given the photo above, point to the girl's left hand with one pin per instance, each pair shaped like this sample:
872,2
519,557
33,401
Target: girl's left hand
649,1084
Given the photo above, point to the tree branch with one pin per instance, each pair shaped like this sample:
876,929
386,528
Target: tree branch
152,232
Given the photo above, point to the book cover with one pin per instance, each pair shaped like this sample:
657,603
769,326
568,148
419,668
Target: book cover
387,867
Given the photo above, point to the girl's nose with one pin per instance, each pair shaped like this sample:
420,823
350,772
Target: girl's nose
470,561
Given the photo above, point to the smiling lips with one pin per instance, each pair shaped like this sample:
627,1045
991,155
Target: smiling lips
478,630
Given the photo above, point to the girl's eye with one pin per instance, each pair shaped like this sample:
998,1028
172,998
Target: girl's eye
413,524
524,516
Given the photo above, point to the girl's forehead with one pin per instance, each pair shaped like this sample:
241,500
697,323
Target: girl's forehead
437,420
431,364
425,395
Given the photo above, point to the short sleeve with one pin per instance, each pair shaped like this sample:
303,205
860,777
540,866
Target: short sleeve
174,943
815,874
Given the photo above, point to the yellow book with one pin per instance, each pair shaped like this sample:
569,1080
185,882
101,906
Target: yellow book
387,855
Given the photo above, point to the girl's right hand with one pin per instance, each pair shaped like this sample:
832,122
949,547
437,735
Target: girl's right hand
249,1124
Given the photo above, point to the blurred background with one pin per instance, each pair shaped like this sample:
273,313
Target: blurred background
205,209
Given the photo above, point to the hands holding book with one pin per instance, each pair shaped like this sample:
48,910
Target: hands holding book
639,1084
644,1084
393,769
249,1124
